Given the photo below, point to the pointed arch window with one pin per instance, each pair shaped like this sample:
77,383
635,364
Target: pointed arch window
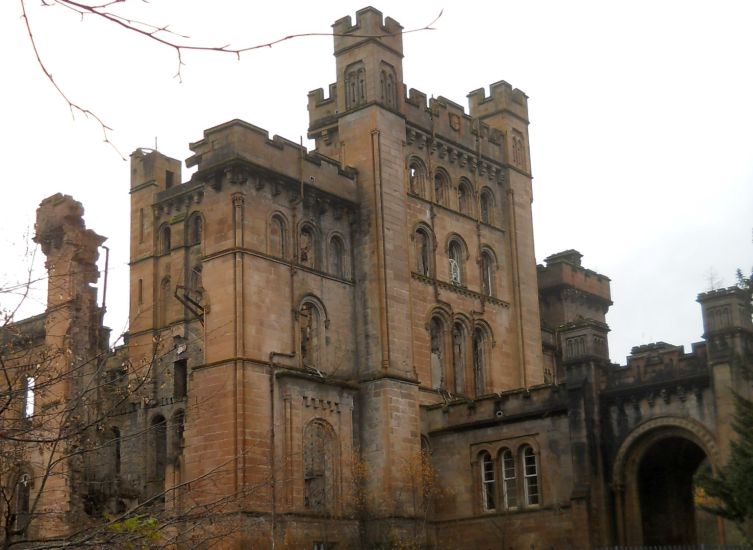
465,197
424,246
116,449
164,240
310,325
436,335
509,480
530,476
387,81
479,362
308,247
458,357
488,485
337,257
277,236
29,392
417,177
441,183
487,206
318,463
355,85
455,253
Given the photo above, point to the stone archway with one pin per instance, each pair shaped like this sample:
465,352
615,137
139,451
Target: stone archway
653,481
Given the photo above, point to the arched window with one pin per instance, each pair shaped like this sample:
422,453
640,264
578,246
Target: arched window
307,247
465,197
195,229
441,183
487,273
479,362
310,323
164,300
164,240
424,246
458,357
157,446
509,480
436,334
488,488
530,476
319,467
455,256
417,177
337,257
277,236
487,206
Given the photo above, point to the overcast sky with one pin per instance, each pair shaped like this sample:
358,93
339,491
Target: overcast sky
641,115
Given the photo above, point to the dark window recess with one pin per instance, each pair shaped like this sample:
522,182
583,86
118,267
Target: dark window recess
180,374
169,177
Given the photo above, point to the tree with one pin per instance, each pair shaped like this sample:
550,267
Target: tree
731,488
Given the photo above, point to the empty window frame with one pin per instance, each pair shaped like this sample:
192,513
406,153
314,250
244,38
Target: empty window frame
417,177
423,244
487,206
465,197
441,184
436,337
276,245
458,357
308,247
195,229
164,240
29,391
479,362
180,379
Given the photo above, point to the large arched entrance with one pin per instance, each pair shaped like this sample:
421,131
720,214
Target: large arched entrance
665,491
653,484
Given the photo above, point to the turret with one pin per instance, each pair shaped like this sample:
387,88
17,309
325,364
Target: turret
727,324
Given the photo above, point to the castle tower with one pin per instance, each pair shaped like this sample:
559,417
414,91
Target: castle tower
728,331
362,127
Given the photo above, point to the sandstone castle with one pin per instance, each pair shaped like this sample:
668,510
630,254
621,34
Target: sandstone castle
353,347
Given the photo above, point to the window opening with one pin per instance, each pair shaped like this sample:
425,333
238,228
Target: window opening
510,491
164,241
195,229
486,274
318,467
29,385
458,357
487,482
336,254
478,362
437,368
455,259
422,253
277,237
530,473
180,378
309,321
22,510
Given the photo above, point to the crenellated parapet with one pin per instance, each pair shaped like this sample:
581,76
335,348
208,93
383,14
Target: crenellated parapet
369,27
727,323
502,98
447,122
226,149
568,291
322,110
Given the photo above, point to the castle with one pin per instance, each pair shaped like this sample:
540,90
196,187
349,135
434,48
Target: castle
354,347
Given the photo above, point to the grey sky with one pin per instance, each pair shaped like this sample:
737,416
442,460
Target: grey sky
640,123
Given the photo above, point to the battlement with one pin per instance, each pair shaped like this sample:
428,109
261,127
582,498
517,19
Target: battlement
369,26
450,121
564,269
237,140
658,363
726,309
322,110
502,98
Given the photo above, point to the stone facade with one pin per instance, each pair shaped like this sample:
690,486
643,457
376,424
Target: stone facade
353,346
